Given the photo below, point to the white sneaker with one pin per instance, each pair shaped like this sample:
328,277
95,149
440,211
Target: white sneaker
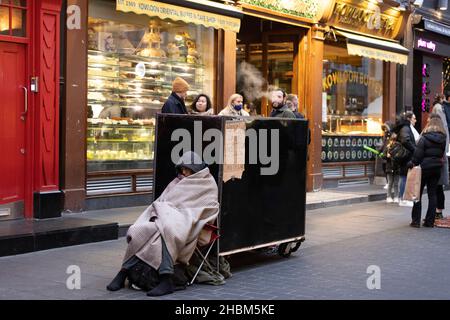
406,203
389,200
409,203
385,187
396,200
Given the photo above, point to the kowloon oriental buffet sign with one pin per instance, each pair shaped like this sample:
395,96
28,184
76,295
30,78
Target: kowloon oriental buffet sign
366,17
187,15
341,77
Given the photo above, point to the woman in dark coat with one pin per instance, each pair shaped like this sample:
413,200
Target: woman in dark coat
429,155
406,137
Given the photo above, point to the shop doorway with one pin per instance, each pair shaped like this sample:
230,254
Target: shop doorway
13,108
268,56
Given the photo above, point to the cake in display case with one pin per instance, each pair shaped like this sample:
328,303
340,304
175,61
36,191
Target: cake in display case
120,144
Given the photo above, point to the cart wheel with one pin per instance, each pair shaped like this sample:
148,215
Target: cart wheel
295,245
285,249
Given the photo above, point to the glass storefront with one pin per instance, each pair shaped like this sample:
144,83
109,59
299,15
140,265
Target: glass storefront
132,61
352,104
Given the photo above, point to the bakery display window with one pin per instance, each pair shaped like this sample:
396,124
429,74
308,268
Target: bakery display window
352,104
132,61
352,98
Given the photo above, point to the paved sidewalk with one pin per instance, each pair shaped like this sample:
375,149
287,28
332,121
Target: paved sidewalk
341,243
326,198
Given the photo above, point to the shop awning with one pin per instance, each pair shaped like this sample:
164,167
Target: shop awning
375,48
202,12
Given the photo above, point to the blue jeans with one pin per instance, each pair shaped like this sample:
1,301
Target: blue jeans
402,186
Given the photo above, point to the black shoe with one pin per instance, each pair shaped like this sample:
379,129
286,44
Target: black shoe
428,225
166,286
118,282
439,216
414,225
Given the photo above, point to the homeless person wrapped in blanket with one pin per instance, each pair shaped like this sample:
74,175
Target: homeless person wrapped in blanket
170,228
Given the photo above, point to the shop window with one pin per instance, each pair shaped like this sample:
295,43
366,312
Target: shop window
253,80
352,104
13,17
281,64
132,61
352,93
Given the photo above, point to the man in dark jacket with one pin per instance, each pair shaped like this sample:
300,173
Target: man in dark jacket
175,102
280,109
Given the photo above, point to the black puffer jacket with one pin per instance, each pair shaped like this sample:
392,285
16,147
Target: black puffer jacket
430,150
406,137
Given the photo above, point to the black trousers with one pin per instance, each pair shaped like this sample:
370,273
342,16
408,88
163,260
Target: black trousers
430,179
440,197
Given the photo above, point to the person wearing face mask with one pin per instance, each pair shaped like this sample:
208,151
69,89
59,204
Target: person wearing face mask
202,106
279,107
234,107
168,231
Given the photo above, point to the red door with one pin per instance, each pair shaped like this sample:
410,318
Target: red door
13,106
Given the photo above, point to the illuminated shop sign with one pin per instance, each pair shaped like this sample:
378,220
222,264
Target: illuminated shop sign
430,45
365,17
425,104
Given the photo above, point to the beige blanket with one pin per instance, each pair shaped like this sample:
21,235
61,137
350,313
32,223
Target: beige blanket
179,215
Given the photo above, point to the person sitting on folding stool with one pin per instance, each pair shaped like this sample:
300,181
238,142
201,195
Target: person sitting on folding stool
168,230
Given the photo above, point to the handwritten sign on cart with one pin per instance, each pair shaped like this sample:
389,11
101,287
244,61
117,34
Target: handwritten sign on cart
234,150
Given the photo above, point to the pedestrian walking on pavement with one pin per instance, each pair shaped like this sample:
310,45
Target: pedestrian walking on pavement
391,167
175,102
406,137
428,154
438,111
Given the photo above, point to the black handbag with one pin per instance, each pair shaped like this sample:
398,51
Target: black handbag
398,152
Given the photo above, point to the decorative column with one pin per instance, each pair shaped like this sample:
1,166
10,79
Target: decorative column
74,109
47,196
313,87
226,66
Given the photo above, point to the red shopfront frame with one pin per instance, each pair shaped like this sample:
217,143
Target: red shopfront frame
42,50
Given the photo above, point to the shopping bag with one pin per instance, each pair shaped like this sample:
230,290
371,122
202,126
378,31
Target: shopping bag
413,181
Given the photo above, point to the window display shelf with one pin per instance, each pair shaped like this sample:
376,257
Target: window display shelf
124,84
117,142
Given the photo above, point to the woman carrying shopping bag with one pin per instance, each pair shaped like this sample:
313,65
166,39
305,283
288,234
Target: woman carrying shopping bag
429,155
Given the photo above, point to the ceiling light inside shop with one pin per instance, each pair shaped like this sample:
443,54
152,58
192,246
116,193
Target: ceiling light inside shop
443,5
